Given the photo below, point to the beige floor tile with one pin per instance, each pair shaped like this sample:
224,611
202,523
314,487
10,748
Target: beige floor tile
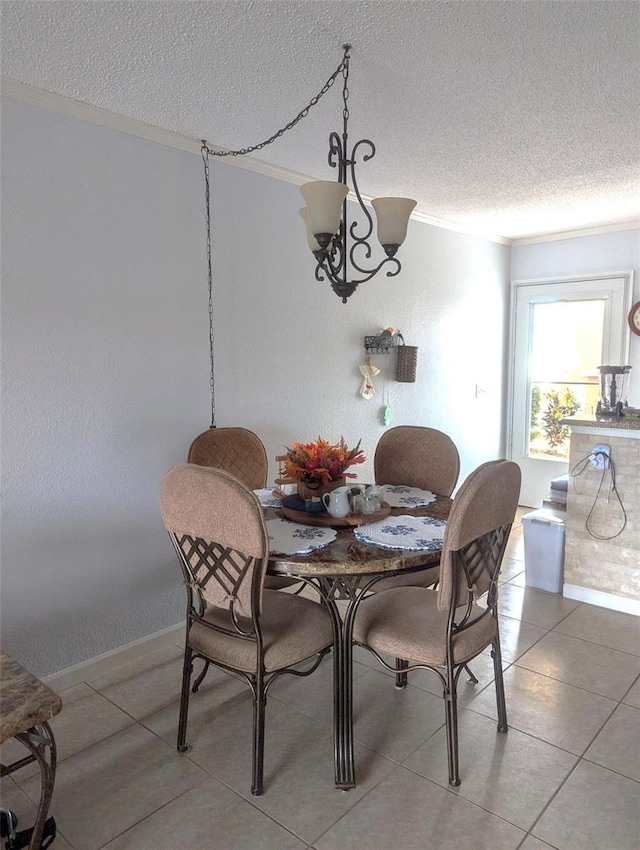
590,666
516,638
494,768
312,696
145,685
534,606
110,786
601,625
85,719
393,722
553,711
15,800
410,812
206,817
511,567
633,695
532,843
518,579
596,809
218,697
515,545
617,747
481,667
298,764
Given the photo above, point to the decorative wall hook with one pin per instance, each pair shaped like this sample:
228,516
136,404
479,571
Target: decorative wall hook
383,342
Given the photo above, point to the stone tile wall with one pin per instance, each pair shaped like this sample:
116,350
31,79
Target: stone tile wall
612,565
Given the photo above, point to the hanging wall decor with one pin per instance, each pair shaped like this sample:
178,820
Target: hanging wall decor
406,362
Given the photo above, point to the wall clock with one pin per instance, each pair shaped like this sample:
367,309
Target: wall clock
634,318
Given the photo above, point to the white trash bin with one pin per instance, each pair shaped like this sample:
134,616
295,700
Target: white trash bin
544,549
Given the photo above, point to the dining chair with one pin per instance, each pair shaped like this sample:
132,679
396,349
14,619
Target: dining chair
443,630
421,457
217,527
236,450
242,453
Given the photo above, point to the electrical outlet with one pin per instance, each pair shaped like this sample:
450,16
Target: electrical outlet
599,457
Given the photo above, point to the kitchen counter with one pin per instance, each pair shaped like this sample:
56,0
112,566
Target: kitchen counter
615,423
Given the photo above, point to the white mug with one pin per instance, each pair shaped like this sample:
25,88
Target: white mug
337,502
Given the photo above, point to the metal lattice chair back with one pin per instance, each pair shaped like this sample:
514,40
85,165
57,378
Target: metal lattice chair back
418,457
218,529
236,450
477,531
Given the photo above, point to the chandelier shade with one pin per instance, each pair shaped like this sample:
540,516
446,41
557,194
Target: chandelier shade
312,242
324,199
392,217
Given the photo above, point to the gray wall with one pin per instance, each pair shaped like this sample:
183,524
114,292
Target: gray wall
615,251
105,361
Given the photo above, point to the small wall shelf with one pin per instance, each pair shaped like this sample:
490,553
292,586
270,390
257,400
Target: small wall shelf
381,343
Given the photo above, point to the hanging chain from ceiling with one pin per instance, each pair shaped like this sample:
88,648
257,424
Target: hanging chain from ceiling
206,152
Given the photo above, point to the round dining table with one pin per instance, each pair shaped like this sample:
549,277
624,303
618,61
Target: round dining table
344,571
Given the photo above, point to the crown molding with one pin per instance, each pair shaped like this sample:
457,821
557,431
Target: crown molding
574,234
114,121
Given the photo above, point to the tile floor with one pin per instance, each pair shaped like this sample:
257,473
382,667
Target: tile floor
566,776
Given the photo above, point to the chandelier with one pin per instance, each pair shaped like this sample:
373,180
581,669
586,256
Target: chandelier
326,212
342,249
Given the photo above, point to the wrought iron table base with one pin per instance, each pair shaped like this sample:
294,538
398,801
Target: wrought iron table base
40,742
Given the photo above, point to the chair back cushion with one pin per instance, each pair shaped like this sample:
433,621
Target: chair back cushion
485,502
418,457
236,450
213,507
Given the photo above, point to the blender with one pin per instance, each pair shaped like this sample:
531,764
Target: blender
614,381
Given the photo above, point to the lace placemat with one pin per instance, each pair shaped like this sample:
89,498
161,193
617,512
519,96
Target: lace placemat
292,538
400,496
267,499
404,532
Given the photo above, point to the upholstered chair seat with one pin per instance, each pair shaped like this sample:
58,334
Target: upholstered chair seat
406,623
292,631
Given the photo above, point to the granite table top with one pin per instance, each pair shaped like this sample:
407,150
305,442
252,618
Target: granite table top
348,556
25,701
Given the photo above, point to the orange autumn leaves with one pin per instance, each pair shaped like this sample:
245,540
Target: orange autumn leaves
321,461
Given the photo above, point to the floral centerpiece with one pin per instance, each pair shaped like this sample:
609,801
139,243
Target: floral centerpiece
320,467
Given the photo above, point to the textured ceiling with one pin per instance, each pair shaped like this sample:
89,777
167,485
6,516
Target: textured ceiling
513,117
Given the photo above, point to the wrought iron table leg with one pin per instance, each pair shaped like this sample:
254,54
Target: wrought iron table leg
38,740
342,708
342,690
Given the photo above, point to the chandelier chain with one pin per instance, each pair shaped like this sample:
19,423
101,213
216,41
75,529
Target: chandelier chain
341,69
345,85
207,200
206,152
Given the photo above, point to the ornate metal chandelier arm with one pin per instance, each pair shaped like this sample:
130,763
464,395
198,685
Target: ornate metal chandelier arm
354,181
330,270
302,114
336,157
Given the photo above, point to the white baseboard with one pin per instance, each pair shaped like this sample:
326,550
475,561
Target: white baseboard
604,600
108,661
